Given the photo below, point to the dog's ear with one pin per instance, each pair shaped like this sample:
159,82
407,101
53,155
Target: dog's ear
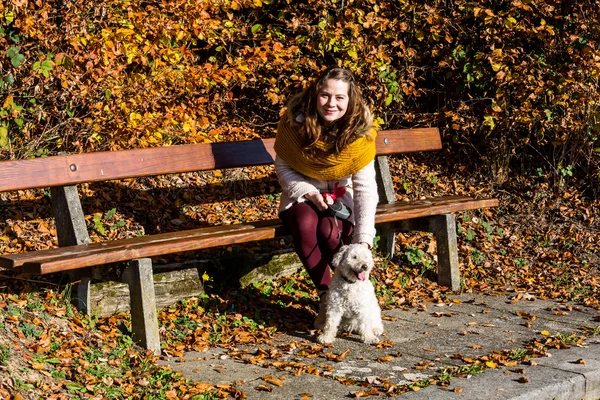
337,258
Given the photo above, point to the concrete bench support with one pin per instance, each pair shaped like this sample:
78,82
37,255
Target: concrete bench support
387,195
444,229
71,230
144,323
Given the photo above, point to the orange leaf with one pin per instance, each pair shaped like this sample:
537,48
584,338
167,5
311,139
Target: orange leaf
37,365
272,380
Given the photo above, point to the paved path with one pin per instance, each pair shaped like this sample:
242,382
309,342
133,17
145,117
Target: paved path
418,345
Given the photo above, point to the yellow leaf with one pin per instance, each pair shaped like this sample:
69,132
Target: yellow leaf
510,22
272,380
545,333
8,102
37,365
491,364
495,66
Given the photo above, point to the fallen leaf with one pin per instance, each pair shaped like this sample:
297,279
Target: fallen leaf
37,365
272,380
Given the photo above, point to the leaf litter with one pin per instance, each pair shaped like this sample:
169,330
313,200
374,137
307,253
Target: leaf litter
536,251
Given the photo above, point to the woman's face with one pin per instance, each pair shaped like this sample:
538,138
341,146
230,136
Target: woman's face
332,100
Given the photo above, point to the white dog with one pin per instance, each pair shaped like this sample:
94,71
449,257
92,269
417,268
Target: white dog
351,304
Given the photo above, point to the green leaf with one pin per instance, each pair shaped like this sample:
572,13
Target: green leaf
388,99
16,58
4,137
470,234
255,28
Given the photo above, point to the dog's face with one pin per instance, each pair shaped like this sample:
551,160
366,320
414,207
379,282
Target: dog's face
354,262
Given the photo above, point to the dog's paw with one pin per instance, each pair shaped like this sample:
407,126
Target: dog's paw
325,338
349,328
370,339
378,331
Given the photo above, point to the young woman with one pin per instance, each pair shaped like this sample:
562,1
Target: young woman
325,149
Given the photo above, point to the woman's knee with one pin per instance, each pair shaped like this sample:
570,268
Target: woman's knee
301,219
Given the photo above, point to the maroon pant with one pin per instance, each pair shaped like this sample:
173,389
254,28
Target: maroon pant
316,236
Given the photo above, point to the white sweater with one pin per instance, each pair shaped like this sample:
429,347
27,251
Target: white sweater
361,195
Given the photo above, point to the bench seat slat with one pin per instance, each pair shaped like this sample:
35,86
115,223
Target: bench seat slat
107,165
74,257
16,260
421,208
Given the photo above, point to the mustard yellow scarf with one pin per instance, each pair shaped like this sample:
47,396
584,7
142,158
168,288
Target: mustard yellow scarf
323,164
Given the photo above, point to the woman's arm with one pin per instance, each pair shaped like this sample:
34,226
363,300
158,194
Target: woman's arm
296,186
365,199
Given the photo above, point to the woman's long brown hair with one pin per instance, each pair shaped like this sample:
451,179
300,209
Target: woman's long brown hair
355,123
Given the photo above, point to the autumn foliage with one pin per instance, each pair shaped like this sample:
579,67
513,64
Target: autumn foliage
510,83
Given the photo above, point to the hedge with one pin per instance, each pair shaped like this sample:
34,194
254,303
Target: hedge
511,84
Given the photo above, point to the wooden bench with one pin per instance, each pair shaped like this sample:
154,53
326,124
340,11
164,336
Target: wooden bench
75,252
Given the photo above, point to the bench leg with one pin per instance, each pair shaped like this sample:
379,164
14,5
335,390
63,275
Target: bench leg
71,228
387,239
144,322
444,229
82,291
387,195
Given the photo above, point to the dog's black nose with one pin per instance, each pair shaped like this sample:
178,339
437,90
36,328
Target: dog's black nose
364,267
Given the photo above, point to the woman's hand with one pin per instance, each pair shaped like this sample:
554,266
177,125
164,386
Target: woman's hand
318,200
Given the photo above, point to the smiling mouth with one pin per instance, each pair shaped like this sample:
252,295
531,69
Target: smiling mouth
362,275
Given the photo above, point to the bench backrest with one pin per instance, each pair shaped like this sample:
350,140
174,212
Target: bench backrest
107,165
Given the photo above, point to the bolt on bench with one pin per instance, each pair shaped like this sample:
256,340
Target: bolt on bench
75,252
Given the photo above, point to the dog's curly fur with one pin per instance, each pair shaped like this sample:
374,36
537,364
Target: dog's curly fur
351,304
